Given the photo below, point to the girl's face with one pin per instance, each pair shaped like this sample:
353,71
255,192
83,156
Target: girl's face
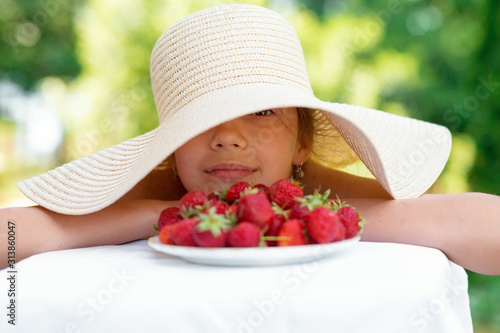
259,148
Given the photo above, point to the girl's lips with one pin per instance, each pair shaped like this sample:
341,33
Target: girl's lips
230,175
229,172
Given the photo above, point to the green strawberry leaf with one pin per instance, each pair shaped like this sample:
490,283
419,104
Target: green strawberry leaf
278,210
221,194
213,222
337,204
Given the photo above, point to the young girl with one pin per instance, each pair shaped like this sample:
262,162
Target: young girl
235,104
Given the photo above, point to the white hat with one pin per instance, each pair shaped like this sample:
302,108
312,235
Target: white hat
221,63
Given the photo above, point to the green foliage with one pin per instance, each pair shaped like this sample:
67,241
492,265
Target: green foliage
484,294
452,49
38,40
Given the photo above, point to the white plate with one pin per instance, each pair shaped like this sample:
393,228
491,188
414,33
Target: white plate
252,256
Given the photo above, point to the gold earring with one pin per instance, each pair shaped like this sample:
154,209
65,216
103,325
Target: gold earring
298,172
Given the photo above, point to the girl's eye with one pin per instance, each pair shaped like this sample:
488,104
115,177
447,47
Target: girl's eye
264,113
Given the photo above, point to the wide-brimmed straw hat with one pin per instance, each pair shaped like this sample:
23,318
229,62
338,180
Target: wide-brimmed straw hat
221,63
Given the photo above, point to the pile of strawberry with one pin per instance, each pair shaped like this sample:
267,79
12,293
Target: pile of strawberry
251,216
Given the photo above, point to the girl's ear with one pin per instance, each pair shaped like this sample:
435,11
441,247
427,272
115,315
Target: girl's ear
301,154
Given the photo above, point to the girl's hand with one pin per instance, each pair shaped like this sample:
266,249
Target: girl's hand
465,227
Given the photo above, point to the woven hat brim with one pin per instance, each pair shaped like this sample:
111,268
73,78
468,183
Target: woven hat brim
405,155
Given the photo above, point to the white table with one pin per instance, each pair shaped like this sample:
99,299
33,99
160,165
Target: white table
369,287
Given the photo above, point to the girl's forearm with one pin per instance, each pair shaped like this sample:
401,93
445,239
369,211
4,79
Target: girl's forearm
39,230
465,227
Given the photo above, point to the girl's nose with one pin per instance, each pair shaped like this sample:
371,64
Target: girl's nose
228,136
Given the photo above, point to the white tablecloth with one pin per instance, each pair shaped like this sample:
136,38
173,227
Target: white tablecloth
369,287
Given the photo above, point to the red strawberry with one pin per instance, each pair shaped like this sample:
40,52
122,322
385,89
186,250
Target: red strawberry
284,192
164,235
303,206
213,196
340,235
212,231
323,225
181,233
273,228
292,233
263,188
255,208
234,191
208,239
169,216
350,218
299,211
192,200
245,234
220,207
231,213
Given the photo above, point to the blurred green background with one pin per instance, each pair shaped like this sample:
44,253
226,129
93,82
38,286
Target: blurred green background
74,79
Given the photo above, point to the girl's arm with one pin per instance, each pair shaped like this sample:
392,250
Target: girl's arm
37,230
465,227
